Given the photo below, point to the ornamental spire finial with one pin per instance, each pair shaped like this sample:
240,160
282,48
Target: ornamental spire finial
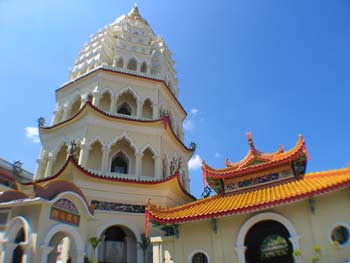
250,140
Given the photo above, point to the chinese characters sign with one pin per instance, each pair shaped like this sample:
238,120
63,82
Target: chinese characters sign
64,210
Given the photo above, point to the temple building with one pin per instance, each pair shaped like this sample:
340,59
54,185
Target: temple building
265,210
116,140
112,182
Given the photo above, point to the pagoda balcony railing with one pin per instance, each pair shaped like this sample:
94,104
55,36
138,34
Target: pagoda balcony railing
120,175
132,72
124,116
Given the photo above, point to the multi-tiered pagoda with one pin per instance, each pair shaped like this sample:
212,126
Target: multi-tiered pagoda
116,140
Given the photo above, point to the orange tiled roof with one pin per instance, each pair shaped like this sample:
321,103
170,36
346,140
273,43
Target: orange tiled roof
256,160
312,184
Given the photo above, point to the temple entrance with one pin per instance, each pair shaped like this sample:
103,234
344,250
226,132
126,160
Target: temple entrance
62,245
118,246
18,251
268,242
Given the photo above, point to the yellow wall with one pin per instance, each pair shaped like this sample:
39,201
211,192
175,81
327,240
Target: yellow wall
313,229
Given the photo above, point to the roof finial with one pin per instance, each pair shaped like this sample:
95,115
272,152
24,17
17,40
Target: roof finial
135,10
250,141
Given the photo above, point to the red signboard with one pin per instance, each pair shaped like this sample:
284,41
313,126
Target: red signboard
64,216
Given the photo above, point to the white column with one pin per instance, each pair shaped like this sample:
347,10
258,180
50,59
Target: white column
40,168
138,166
113,104
56,116
65,112
241,253
139,108
84,154
50,161
156,243
83,101
155,111
7,252
157,166
105,154
96,99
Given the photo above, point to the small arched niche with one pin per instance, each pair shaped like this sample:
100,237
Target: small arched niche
120,62
124,108
105,102
75,107
122,148
148,163
120,163
132,64
144,67
127,104
60,159
147,109
95,156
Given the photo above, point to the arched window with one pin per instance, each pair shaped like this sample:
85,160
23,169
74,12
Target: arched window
144,67
199,258
18,252
120,164
132,65
120,63
125,109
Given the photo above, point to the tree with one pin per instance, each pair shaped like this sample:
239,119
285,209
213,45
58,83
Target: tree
94,242
144,244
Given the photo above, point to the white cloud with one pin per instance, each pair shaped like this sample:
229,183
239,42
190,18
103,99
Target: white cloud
195,163
32,133
188,125
190,122
194,111
217,155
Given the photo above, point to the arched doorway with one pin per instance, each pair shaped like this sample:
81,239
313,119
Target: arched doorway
268,242
17,241
61,248
18,252
118,246
63,242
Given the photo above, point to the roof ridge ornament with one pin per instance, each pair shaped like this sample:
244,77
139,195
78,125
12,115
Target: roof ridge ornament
250,141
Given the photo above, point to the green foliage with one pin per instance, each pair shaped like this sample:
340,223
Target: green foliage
315,259
94,242
317,249
297,253
145,241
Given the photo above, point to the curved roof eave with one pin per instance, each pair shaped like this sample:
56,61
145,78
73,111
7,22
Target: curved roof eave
88,106
71,162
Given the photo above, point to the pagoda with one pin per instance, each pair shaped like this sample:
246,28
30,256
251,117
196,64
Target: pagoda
115,141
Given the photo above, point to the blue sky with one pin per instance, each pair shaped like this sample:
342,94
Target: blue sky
275,68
